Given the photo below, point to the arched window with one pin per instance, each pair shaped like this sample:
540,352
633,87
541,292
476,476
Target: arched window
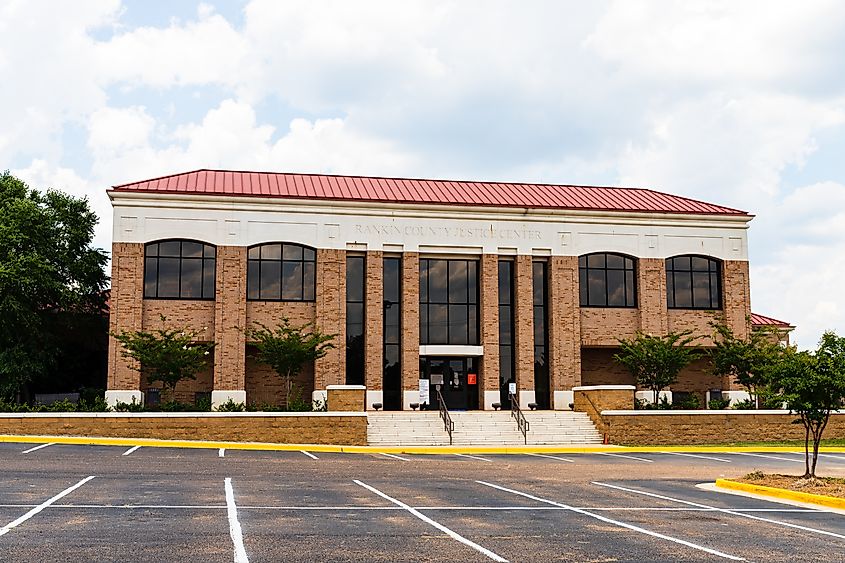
179,269
281,272
607,280
693,282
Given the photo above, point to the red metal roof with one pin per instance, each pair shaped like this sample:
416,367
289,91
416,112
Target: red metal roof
421,191
762,320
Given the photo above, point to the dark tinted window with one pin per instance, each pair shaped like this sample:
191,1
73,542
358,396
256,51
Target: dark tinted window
355,320
392,376
542,395
607,280
506,332
448,301
693,282
281,272
179,269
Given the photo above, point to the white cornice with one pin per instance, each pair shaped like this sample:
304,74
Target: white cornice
423,211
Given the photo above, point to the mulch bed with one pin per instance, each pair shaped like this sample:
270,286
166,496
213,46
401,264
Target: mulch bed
829,486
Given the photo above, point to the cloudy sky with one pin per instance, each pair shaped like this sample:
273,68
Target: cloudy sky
739,103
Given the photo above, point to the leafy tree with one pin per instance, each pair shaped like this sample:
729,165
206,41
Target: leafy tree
747,361
49,272
165,355
656,361
288,348
812,384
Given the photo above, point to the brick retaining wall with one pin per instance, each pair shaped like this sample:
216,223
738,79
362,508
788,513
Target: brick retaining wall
279,428
708,427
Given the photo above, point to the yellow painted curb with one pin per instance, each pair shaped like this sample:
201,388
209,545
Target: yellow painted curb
338,448
822,500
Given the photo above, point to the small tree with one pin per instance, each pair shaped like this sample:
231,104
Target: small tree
288,348
813,386
165,355
656,361
747,361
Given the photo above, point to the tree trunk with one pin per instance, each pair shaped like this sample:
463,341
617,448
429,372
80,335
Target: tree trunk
806,447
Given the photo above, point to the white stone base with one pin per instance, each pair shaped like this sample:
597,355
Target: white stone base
648,395
220,397
413,396
374,396
735,396
491,397
526,397
319,396
114,396
562,400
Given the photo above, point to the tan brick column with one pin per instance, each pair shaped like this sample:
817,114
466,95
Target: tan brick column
229,325
651,296
736,304
488,387
410,326
125,313
331,316
564,330
524,326
373,318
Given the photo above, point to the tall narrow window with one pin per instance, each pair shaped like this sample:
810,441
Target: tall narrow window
355,320
392,377
448,301
281,272
693,282
541,336
179,269
607,280
506,331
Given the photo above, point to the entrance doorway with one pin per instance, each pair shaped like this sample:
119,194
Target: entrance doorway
460,381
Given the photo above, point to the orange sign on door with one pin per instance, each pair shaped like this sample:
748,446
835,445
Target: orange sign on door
471,379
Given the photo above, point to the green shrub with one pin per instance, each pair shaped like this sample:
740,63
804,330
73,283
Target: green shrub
231,406
689,402
202,404
744,405
134,406
319,405
718,404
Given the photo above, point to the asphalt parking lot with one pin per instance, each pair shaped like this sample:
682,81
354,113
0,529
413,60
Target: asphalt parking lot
108,503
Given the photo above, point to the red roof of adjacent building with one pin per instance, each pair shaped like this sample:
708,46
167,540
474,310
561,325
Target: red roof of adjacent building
762,320
420,191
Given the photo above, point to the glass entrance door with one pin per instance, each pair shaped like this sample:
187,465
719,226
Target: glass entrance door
460,381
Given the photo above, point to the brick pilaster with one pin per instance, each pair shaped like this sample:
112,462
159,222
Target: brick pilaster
230,319
651,296
331,316
489,311
564,325
374,317
410,320
125,311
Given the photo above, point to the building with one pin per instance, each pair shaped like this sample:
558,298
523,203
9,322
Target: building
496,286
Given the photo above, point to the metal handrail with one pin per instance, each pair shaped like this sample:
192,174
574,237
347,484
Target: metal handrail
521,422
444,414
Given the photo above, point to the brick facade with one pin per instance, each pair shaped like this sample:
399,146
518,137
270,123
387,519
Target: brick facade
581,340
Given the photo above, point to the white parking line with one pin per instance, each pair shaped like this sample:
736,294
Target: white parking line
221,452
5,529
38,447
617,523
553,457
768,457
831,456
130,450
454,535
699,456
395,457
627,456
475,457
234,526
723,510
309,454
